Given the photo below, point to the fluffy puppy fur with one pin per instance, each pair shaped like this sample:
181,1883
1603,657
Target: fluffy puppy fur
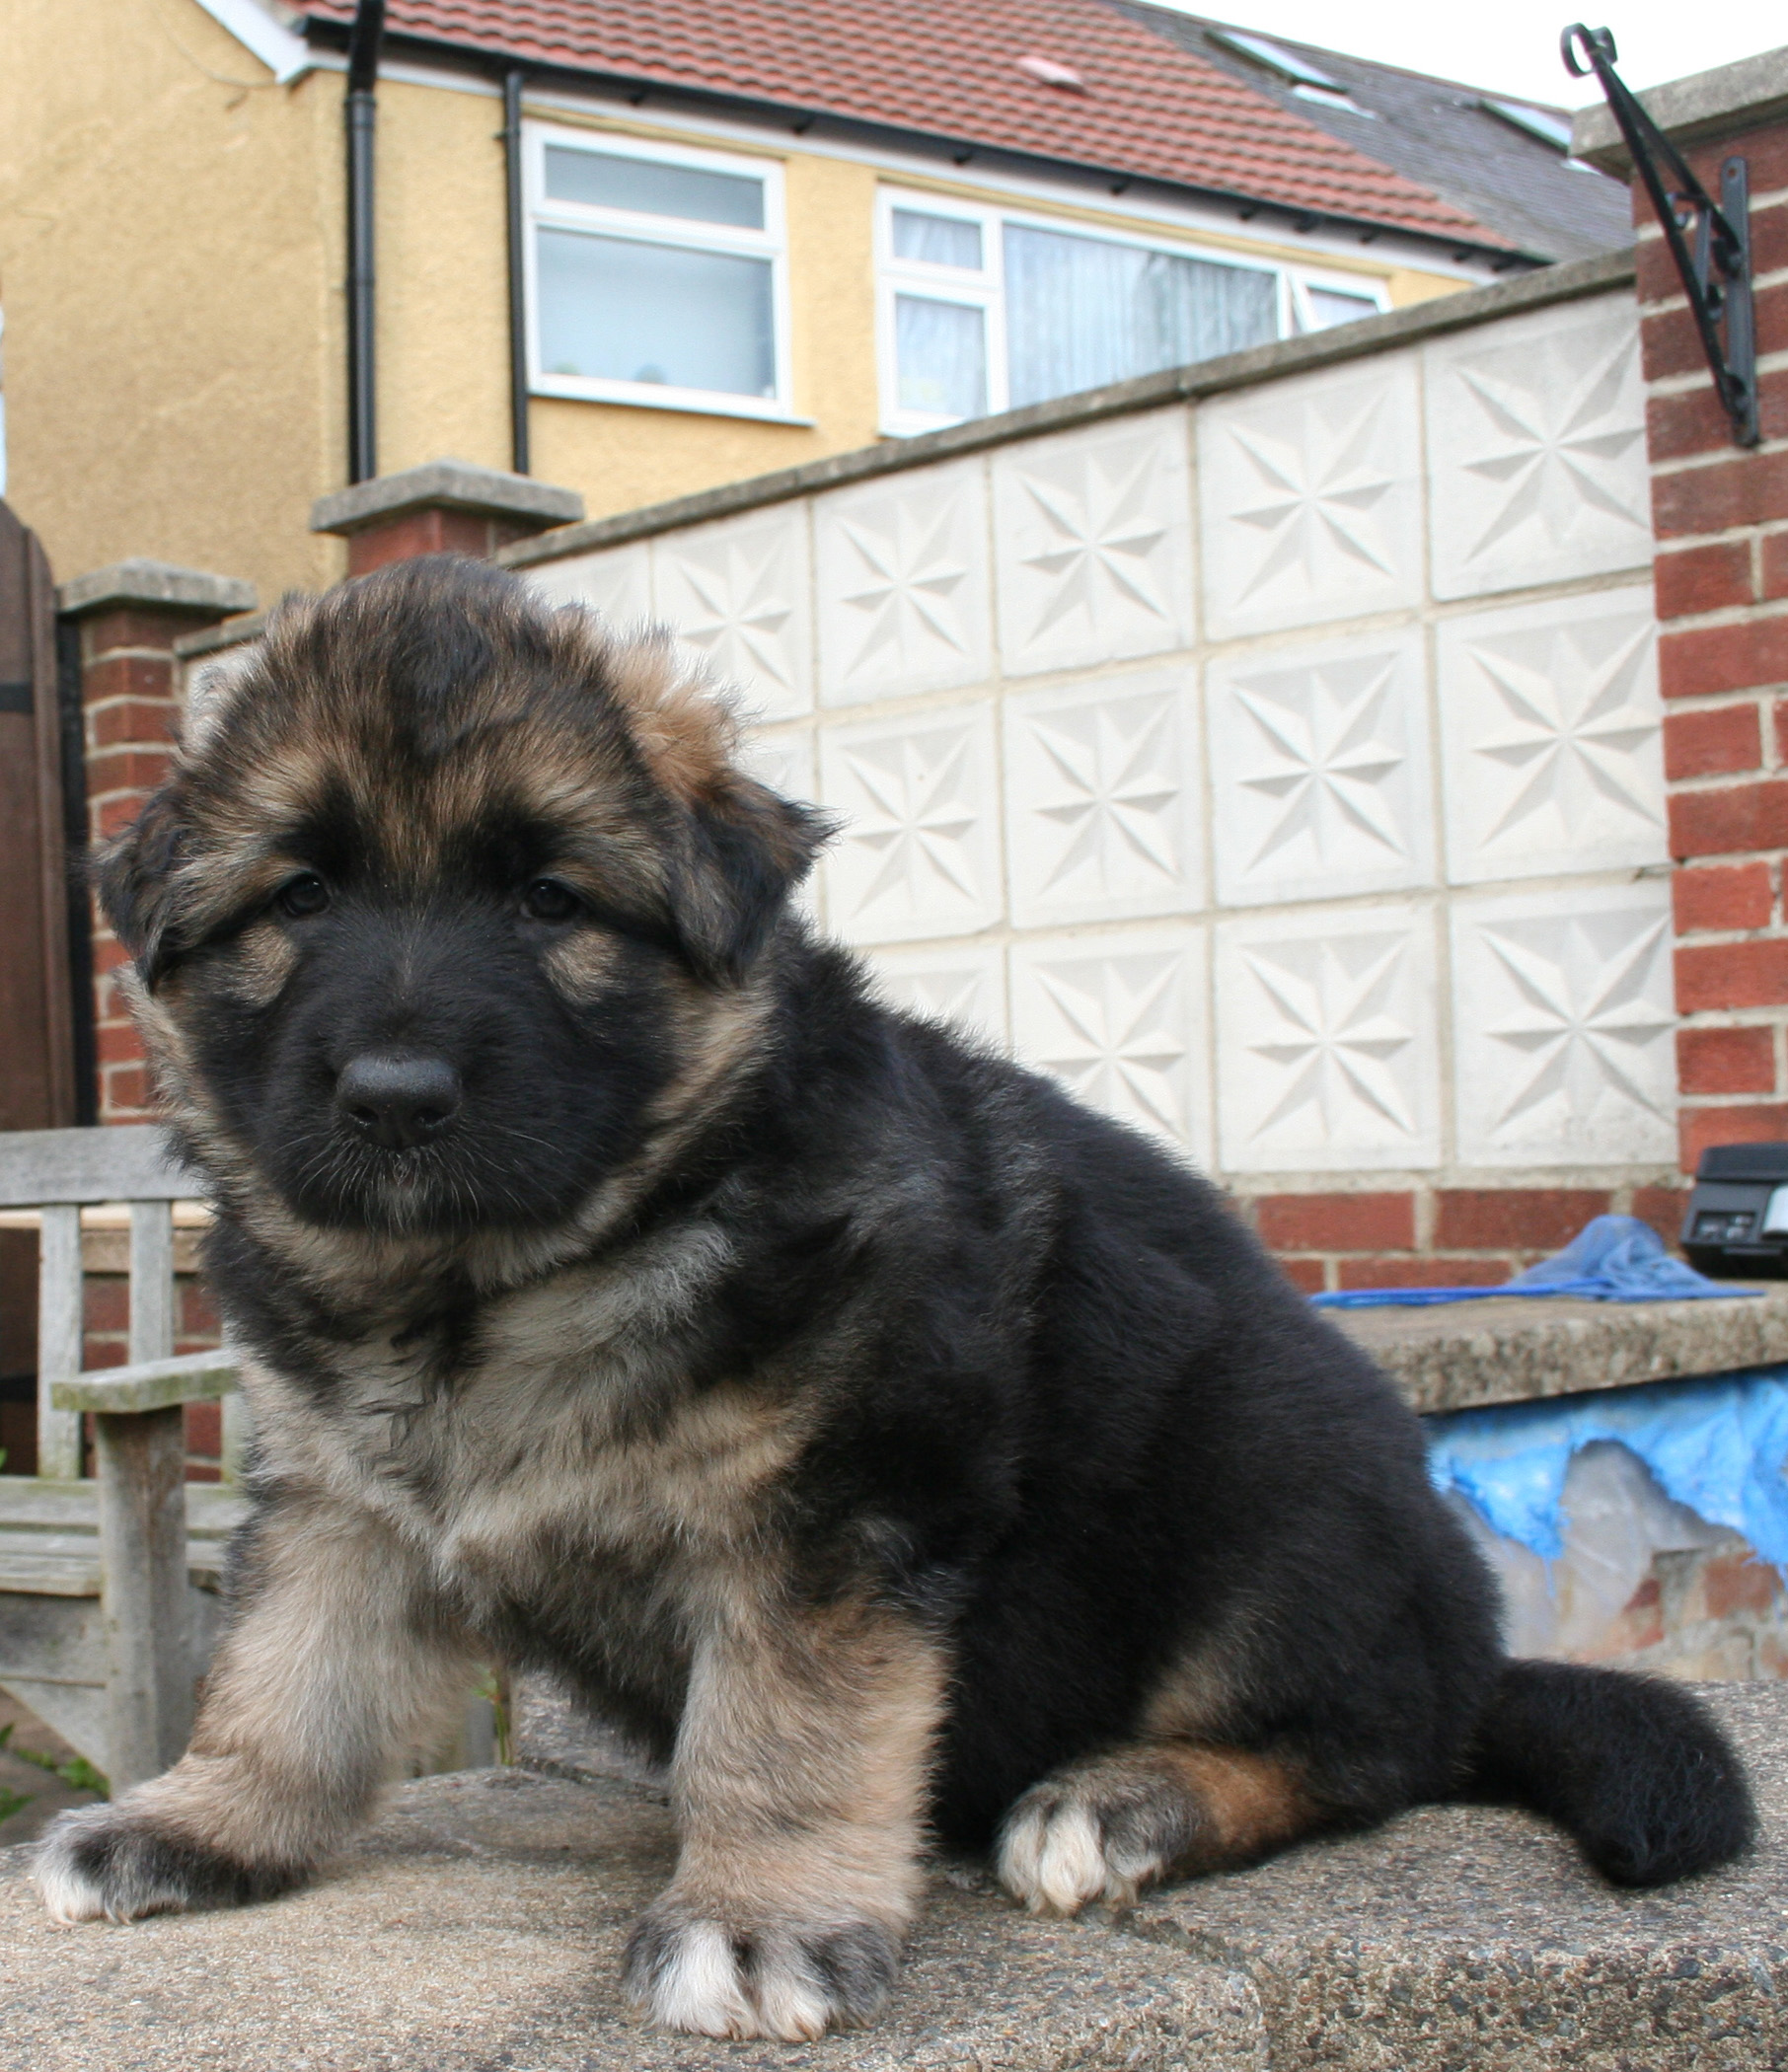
889,1442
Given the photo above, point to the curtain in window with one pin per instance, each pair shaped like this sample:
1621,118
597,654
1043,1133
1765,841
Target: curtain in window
941,351
1081,311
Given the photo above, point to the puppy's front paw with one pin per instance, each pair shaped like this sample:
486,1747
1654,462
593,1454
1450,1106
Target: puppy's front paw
790,1980
104,1863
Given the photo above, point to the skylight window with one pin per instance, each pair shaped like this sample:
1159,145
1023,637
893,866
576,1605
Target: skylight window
1298,71
1541,122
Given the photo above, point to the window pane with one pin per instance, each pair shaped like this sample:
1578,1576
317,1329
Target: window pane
941,351
618,310
602,181
1329,307
941,240
1081,311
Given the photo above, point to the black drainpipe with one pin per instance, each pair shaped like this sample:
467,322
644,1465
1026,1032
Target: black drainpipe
361,111
518,316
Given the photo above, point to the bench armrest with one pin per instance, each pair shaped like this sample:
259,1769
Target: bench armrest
151,1385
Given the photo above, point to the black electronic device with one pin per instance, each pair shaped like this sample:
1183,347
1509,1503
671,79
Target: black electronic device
1737,1223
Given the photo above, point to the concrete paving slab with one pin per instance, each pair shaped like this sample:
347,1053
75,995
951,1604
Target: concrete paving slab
1465,1936
480,1926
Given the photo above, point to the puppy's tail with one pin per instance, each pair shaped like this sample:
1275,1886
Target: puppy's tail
1633,1767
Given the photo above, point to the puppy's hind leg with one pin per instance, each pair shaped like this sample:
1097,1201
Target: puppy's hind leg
337,1664
1105,1827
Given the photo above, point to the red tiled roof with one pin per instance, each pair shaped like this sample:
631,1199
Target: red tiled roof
950,68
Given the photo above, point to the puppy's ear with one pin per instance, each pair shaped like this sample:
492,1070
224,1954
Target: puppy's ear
746,850
741,848
135,877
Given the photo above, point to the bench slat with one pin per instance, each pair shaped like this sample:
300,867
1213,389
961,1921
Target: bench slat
151,1282
129,1163
60,1318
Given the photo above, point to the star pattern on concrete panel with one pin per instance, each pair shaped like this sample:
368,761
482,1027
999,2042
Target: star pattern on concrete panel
913,812
1565,439
1116,1037
904,591
1102,529
1589,999
1316,493
743,608
1572,717
1325,747
1336,1036
1106,790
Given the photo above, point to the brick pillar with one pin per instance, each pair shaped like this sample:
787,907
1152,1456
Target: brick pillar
442,507
130,617
1720,515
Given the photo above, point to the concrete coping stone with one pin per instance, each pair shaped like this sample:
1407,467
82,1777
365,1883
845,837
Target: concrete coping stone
157,584
1602,273
449,485
1706,105
1515,1350
215,639
481,1921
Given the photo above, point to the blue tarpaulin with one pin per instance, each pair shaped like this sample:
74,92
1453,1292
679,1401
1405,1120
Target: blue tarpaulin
1716,1445
1611,1259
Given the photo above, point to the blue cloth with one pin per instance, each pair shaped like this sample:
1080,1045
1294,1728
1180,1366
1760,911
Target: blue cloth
1611,1259
1717,1444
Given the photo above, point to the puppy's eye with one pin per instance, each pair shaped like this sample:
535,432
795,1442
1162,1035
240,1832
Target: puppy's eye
302,895
548,900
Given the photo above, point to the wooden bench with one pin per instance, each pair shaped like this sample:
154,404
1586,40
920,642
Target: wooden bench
108,1583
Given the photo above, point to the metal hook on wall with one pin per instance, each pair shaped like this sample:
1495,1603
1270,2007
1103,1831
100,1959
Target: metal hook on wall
1716,272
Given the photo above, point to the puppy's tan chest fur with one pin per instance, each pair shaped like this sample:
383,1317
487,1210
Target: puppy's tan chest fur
573,1434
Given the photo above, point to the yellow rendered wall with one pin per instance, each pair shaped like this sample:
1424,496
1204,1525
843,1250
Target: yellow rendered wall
172,323
170,262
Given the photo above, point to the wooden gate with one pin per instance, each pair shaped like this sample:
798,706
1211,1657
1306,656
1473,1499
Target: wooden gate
42,929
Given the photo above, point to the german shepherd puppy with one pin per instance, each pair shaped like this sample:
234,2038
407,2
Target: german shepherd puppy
891,1444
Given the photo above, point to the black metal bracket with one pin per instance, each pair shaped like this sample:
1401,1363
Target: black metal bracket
1721,307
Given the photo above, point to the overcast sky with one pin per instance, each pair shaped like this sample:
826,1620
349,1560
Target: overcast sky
1512,46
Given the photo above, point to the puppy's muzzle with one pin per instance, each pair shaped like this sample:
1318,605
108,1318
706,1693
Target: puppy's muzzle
397,1099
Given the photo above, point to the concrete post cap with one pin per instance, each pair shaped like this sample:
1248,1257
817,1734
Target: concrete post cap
157,585
1712,104
449,485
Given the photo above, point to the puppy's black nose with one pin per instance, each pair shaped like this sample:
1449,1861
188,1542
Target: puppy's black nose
396,1099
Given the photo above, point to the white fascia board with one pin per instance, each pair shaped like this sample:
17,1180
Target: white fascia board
285,55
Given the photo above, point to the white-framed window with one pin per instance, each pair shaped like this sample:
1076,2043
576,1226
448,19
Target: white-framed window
655,275
983,309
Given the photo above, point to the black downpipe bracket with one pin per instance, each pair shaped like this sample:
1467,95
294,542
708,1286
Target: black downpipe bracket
1722,308
361,111
518,311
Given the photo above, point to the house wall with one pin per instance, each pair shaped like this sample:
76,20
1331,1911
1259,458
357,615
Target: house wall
168,240
171,259
1281,768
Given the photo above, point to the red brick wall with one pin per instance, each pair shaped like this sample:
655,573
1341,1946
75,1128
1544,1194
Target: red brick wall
130,685
1439,1237
1720,513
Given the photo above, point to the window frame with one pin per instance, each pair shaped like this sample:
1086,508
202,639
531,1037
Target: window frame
542,212
987,288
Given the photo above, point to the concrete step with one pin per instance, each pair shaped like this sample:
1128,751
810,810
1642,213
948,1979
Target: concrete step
480,1924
